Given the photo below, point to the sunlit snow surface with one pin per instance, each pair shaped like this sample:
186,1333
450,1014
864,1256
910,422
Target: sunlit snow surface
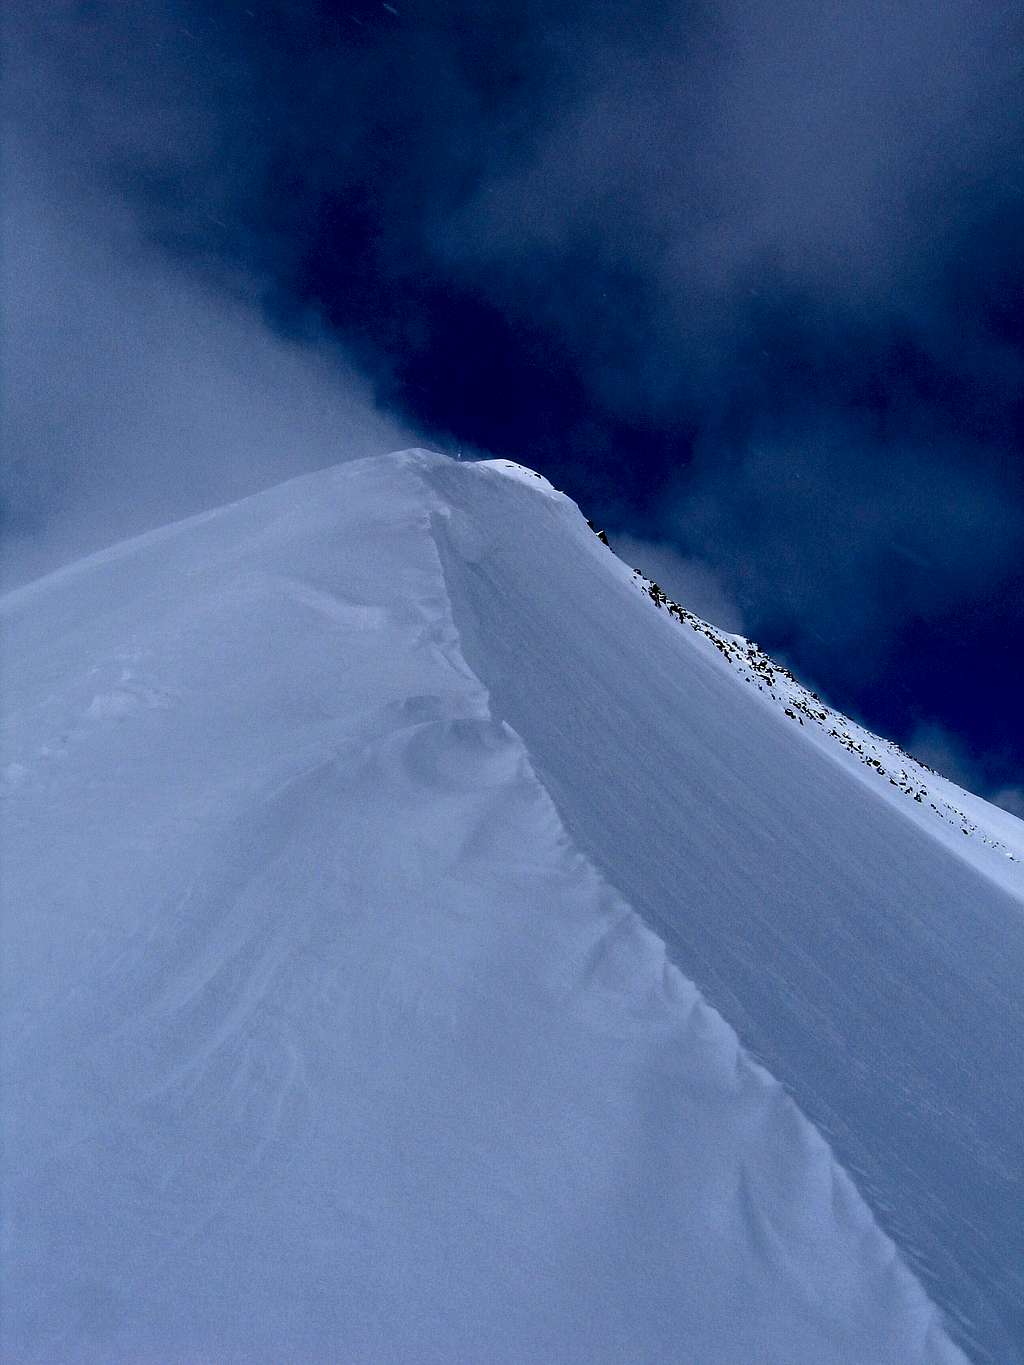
343,833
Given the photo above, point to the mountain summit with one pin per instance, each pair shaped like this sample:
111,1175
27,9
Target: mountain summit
424,941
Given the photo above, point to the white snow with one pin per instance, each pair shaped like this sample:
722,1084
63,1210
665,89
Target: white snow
873,759
344,830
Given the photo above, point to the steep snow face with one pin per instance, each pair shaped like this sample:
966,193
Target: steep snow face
959,811
325,1039
865,950
873,758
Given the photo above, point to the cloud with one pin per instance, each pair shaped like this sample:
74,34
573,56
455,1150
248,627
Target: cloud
742,160
690,582
676,218
936,747
949,755
134,392
836,538
1010,799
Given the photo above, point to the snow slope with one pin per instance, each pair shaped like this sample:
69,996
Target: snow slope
865,950
344,830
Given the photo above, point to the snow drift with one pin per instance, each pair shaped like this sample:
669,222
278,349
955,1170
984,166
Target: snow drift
397,897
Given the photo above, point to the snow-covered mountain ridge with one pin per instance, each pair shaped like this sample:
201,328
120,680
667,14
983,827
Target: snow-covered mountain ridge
962,811
363,842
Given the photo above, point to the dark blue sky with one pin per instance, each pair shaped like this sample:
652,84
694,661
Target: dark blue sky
745,279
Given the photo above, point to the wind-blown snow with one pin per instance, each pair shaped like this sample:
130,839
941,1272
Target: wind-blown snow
338,1018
